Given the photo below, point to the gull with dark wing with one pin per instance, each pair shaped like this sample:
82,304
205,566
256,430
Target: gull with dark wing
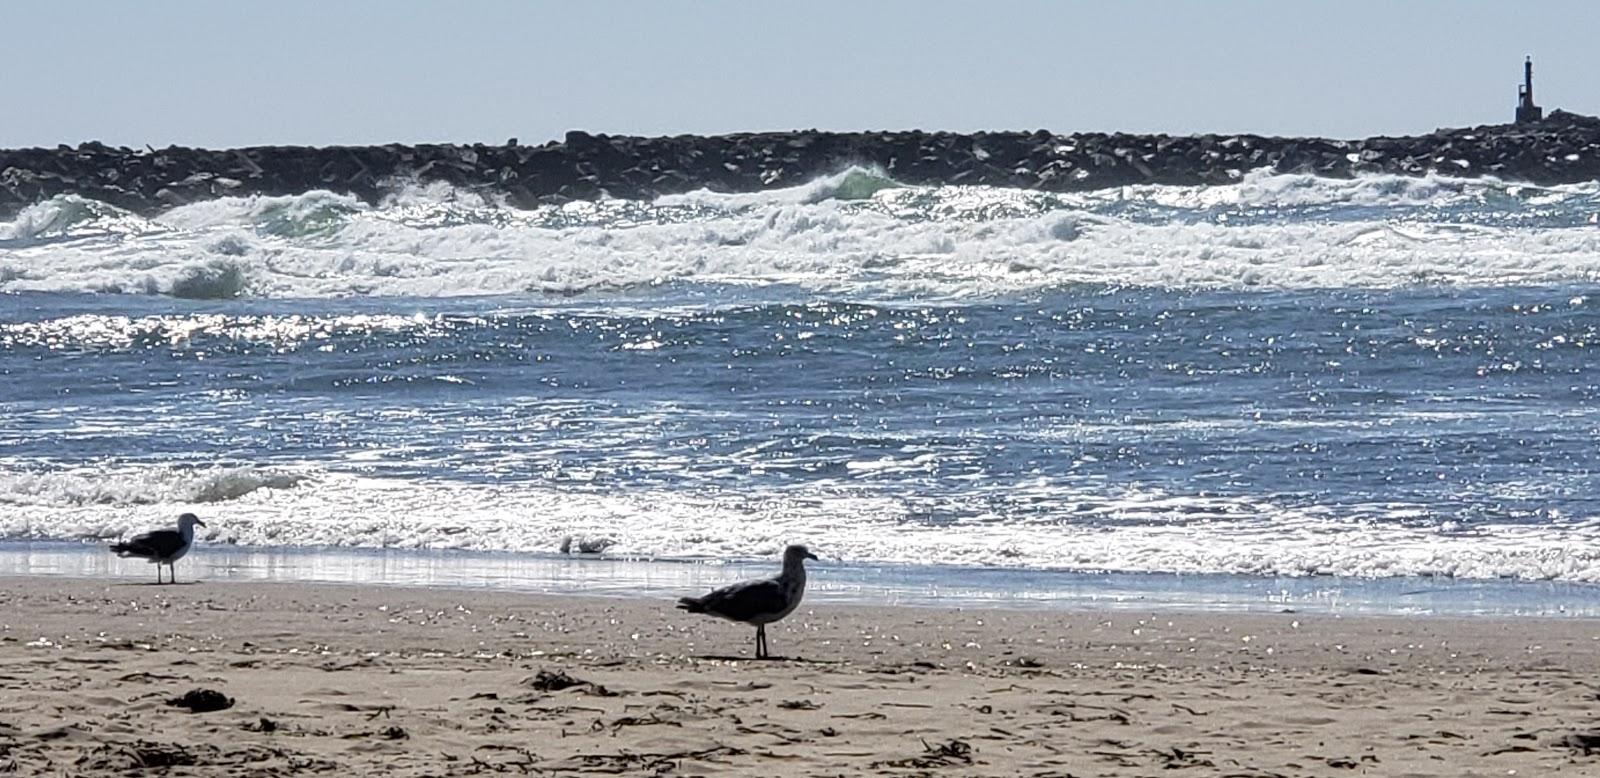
163,546
758,602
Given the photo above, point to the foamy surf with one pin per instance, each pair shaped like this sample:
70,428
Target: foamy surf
121,488
858,233
1154,532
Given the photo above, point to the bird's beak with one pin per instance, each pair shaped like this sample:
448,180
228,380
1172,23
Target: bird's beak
810,555
201,523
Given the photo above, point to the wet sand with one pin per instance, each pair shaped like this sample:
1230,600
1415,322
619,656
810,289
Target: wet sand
398,681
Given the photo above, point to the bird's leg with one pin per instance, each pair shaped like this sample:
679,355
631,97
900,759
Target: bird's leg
158,573
172,573
761,641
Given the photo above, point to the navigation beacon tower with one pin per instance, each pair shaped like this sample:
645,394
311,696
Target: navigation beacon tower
1527,112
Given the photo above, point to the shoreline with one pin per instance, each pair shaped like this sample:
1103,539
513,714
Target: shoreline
414,681
834,583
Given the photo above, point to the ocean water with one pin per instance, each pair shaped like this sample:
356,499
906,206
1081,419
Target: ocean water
1287,377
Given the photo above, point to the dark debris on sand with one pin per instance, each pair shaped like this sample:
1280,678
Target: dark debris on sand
651,763
202,701
955,753
547,681
264,725
1587,743
144,755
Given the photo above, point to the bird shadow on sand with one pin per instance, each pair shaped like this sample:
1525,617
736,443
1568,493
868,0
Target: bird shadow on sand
163,583
753,660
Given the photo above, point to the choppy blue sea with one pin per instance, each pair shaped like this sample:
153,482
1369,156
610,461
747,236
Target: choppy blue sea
1288,376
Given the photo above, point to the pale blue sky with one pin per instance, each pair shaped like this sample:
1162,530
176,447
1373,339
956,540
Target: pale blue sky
229,73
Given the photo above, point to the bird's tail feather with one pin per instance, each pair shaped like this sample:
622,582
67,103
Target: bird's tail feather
691,604
120,548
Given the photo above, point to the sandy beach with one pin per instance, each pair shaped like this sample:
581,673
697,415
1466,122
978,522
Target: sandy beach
398,681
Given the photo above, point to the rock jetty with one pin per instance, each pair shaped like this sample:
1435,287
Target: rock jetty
1562,148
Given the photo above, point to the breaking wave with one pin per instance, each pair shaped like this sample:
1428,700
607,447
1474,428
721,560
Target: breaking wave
857,233
1154,532
143,486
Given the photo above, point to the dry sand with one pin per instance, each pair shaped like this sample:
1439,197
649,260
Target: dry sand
395,681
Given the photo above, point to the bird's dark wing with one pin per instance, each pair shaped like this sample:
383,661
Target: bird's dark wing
155,545
747,600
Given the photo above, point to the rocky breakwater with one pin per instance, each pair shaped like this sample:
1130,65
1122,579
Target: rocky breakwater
1564,148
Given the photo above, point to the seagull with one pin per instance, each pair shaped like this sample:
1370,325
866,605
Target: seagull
758,602
163,546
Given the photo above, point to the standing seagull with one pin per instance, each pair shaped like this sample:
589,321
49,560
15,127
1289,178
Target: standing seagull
163,546
758,602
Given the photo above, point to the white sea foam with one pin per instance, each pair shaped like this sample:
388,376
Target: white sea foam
856,233
144,486
1153,531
